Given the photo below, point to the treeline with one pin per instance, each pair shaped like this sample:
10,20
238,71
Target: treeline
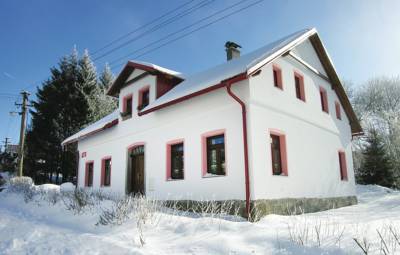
73,97
377,153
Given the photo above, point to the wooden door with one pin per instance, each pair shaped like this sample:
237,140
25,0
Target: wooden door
137,174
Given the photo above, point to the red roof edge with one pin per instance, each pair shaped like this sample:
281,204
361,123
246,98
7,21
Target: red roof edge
119,81
106,126
222,84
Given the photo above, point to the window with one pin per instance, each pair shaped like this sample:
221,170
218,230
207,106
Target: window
324,100
213,153
299,86
89,174
106,172
144,98
338,111
343,166
127,106
175,160
277,74
278,153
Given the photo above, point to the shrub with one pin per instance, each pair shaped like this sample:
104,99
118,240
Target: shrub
23,185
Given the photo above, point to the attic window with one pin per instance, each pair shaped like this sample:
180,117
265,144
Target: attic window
299,86
277,74
127,106
144,98
324,100
338,111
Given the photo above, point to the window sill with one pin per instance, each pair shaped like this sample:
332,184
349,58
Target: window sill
174,180
213,176
280,88
344,180
284,175
125,116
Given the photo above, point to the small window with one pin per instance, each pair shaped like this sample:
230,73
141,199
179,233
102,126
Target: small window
216,155
338,110
106,172
127,106
144,98
277,74
89,174
278,154
299,86
175,165
343,166
324,100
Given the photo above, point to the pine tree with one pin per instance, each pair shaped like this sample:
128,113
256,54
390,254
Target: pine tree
68,101
376,167
107,104
106,78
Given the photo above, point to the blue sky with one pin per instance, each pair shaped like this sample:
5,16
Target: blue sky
362,37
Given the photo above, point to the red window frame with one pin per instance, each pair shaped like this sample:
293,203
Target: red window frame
124,104
103,182
338,110
87,173
299,86
324,99
169,161
204,149
140,99
343,165
282,150
277,76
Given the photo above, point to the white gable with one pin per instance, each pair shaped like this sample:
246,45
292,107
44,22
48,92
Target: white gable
135,74
307,53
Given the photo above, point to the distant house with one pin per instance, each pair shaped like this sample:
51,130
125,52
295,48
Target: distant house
271,129
12,149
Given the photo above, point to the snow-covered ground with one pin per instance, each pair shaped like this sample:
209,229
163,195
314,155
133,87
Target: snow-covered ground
42,228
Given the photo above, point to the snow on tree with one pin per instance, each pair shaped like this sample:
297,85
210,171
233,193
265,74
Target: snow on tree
376,167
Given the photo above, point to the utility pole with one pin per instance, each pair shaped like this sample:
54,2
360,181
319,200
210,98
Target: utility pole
24,110
6,142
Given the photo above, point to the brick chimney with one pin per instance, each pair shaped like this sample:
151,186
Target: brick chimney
232,50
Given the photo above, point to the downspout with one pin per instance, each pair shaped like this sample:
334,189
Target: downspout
245,145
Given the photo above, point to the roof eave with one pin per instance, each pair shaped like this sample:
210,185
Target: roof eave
126,71
104,127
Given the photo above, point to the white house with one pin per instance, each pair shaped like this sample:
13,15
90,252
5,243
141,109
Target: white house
271,128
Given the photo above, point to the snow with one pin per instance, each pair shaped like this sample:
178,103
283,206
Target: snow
98,125
217,74
41,228
48,187
205,79
159,68
67,186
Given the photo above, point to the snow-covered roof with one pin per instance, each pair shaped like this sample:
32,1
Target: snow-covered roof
244,64
104,123
120,81
159,68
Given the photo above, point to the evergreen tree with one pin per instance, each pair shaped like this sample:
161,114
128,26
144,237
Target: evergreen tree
106,104
376,167
106,78
69,100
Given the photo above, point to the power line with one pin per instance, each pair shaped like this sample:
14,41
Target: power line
189,33
157,27
141,27
178,31
170,20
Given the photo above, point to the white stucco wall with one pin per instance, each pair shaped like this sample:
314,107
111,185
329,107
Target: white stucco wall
313,137
187,120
